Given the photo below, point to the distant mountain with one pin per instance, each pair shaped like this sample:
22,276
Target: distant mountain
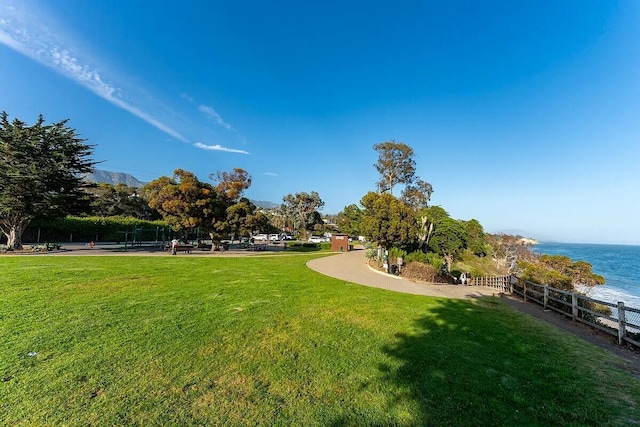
113,178
265,205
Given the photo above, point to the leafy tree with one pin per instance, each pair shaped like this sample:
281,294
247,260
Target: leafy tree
301,209
475,237
349,220
243,218
232,184
417,194
448,239
186,202
388,221
428,218
40,169
120,200
395,165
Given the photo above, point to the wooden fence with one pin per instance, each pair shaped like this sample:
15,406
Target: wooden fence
502,283
615,319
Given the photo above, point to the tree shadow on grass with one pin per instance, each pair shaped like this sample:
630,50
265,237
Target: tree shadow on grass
477,363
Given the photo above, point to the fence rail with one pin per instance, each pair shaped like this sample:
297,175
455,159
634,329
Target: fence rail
615,319
502,283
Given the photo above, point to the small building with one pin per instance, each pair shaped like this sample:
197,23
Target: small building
339,242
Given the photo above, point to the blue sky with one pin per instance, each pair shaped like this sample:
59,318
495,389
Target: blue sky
523,115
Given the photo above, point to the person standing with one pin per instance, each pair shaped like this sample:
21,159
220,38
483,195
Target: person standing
174,246
463,279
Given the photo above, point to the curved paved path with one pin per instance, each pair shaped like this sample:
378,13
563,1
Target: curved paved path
352,267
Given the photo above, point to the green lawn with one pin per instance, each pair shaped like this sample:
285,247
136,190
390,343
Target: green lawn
266,341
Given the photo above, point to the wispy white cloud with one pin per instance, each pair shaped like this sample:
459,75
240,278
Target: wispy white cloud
209,111
187,97
31,37
270,174
219,147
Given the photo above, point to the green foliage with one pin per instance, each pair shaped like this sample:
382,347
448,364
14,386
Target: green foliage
395,253
580,272
417,194
539,273
184,202
417,256
475,241
40,174
476,266
430,258
243,218
448,238
388,221
559,271
120,200
395,164
301,210
85,229
349,220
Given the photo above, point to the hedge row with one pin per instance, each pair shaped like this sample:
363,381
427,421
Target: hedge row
97,229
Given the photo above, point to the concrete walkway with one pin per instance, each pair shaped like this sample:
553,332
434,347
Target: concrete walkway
352,267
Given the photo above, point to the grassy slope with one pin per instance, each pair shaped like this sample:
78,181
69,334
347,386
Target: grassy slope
477,266
180,340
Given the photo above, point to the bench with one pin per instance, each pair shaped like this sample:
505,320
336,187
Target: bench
181,248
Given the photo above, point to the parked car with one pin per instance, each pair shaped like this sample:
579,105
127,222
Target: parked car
318,239
260,237
284,236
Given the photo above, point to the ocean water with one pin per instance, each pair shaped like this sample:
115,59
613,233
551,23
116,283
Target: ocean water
619,264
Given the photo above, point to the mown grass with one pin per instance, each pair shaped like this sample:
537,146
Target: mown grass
266,341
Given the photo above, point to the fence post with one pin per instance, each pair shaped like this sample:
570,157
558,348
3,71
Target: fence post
574,306
524,290
512,281
622,324
546,296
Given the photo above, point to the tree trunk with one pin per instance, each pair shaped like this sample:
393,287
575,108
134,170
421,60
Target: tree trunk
449,260
13,228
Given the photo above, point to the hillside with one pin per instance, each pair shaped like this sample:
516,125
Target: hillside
113,178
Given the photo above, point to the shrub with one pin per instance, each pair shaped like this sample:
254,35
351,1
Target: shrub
420,271
325,245
417,256
371,254
394,254
431,258
539,273
84,229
